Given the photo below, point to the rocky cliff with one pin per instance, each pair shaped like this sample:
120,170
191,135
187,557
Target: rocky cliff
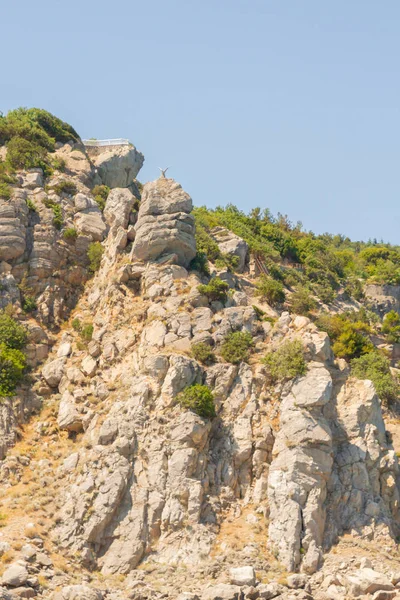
111,488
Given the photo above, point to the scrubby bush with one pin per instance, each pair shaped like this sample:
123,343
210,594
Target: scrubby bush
301,302
24,154
100,193
216,289
200,263
286,362
31,205
28,303
391,326
376,367
76,324
199,399
12,333
86,332
58,216
12,367
70,234
95,254
5,191
349,332
203,353
65,187
58,164
236,347
270,290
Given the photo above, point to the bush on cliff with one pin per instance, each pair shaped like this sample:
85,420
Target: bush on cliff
391,327
203,353
270,290
199,399
286,362
13,338
376,367
236,347
95,254
216,289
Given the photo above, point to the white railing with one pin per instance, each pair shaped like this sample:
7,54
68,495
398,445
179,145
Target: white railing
116,142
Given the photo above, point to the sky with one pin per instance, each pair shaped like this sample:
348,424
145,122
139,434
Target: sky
292,105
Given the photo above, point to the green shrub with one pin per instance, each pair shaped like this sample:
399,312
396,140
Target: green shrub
31,205
199,399
100,193
12,333
95,254
391,326
58,216
352,343
87,332
215,290
203,353
101,190
76,324
301,302
270,290
24,154
236,347
5,191
286,362
65,187
200,263
28,303
70,234
376,367
58,164
12,367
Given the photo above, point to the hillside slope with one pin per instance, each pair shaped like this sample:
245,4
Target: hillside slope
182,431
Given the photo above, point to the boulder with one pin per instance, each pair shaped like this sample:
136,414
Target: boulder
233,245
118,207
367,581
78,592
223,591
165,225
118,166
242,576
53,372
15,575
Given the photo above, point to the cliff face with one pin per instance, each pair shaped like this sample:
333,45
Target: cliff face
115,490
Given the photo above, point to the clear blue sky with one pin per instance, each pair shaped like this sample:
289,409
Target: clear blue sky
288,104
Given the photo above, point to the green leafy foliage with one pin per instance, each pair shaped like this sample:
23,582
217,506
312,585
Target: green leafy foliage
65,187
28,303
302,302
349,332
236,347
5,191
376,367
13,338
30,204
24,154
216,289
203,353
391,327
70,234
95,254
12,367
76,324
199,399
12,333
286,362
58,164
87,332
58,216
200,263
270,290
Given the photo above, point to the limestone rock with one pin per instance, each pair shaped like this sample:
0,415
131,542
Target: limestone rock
118,207
15,575
53,371
165,225
233,245
222,591
367,581
242,576
78,592
118,166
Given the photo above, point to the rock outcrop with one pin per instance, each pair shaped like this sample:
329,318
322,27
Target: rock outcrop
165,227
233,245
117,167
